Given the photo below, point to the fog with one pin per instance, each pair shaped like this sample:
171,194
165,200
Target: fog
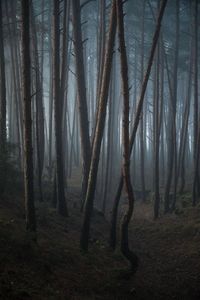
99,117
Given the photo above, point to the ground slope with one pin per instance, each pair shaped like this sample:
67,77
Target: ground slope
54,268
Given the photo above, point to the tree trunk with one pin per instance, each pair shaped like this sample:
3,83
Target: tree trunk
156,138
81,87
136,122
88,207
26,88
196,126
2,109
142,175
125,133
61,203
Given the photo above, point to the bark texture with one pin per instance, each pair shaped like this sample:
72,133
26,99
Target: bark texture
125,137
136,121
26,87
88,207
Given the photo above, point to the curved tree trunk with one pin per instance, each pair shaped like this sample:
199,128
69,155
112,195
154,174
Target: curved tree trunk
125,136
136,122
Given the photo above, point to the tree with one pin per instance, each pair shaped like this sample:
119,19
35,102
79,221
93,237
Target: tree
39,107
125,132
136,122
172,152
61,203
101,116
82,98
196,126
2,107
26,87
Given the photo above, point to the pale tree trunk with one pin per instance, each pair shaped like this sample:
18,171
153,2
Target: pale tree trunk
16,137
17,77
88,207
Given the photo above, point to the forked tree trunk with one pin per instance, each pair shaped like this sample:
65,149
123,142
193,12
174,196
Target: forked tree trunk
125,136
26,88
136,122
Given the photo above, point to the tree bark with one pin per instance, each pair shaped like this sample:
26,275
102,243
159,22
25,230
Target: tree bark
82,98
88,207
2,109
125,137
136,122
26,87
61,203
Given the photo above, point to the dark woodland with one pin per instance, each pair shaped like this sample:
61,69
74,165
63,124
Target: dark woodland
99,149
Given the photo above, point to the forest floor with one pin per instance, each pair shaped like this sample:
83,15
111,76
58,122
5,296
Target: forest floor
54,268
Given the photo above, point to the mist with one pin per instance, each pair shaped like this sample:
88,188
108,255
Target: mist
99,149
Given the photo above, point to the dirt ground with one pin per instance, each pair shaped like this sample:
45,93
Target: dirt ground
54,268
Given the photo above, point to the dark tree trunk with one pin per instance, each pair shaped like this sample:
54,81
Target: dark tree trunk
81,87
39,108
125,132
26,88
156,138
136,122
142,175
196,115
61,203
172,151
2,109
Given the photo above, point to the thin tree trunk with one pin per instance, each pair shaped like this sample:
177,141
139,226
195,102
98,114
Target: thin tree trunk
2,108
125,132
88,207
196,126
157,138
81,87
142,118
61,203
26,88
136,122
